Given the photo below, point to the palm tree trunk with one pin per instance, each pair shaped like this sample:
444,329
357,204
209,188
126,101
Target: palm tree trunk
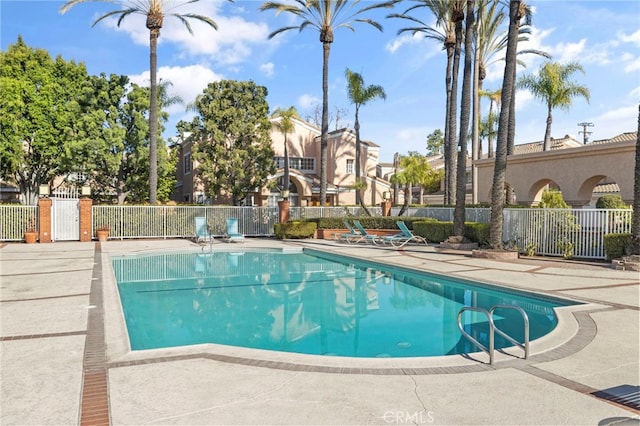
635,224
500,167
547,131
465,110
324,136
490,152
447,131
451,145
357,180
153,117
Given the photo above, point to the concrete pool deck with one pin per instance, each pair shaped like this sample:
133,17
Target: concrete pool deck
64,358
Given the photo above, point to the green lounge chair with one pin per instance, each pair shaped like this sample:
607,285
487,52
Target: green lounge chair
364,235
203,233
350,236
232,234
403,237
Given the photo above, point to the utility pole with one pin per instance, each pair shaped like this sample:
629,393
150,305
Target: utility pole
585,134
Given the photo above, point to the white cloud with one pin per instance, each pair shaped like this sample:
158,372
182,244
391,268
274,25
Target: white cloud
267,69
616,121
186,82
308,101
230,44
631,38
401,41
633,65
567,52
523,98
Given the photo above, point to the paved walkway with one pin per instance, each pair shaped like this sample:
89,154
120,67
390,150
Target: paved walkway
64,357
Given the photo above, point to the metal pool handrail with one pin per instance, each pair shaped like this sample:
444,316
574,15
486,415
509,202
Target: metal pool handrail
525,317
472,339
492,329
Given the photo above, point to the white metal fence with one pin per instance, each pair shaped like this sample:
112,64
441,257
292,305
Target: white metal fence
179,221
554,232
14,220
564,232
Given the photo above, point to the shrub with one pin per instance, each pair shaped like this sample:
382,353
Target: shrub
369,222
295,229
612,201
477,232
433,231
552,199
616,245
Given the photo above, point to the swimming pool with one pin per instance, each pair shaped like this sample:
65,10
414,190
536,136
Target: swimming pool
311,302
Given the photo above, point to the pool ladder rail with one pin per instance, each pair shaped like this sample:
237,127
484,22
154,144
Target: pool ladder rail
494,329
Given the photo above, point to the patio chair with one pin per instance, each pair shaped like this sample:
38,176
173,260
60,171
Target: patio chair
364,235
232,234
403,237
350,236
203,233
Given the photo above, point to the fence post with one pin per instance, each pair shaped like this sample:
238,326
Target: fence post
86,233
44,219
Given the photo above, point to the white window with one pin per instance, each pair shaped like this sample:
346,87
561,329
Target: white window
187,163
350,167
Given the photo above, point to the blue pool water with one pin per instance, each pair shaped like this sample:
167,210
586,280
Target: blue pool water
312,303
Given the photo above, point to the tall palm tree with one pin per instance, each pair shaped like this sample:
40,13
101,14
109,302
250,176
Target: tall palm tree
552,86
155,12
443,32
359,94
465,111
494,99
286,126
325,16
635,224
508,91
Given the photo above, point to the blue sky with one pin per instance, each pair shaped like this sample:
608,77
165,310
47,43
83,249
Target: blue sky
603,36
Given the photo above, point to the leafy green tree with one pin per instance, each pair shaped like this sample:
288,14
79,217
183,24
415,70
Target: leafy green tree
435,142
286,126
325,16
552,86
155,12
359,95
232,135
112,140
37,108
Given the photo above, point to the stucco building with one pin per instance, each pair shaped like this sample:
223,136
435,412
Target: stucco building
304,170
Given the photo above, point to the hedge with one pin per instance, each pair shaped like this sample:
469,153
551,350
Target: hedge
295,229
369,222
437,232
616,245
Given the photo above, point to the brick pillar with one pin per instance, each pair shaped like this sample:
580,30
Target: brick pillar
283,207
86,233
44,219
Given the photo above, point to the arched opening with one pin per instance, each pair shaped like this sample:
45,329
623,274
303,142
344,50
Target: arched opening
595,187
277,191
535,191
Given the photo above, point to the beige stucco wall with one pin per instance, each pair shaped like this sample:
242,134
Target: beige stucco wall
575,170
